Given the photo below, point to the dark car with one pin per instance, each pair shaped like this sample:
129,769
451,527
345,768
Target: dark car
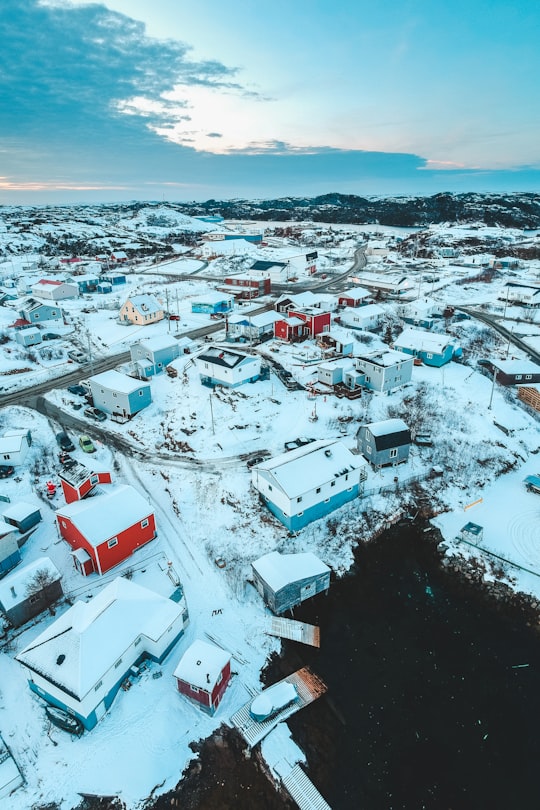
78,390
95,413
6,470
49,336
64,442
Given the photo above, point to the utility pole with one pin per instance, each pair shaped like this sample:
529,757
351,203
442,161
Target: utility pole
212,414
90,357
492,388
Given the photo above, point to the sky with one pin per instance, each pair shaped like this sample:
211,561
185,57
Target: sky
180,101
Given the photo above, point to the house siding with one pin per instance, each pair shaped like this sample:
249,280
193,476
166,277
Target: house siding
319,510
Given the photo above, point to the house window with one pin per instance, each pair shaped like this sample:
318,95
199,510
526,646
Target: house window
115,394
194,689
299,514
141,393
219,677
367,378
368,449
349,489
518,377
327,500
528,376
144,523
347,477
94,479
98,685
393,452
332,483
270,487
299,499
429,356
63,522
137,641
112,542
35,598
318,489
118,663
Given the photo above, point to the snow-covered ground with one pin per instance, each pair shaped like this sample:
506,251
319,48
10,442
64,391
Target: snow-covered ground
208,511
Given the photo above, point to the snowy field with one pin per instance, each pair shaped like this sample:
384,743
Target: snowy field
190,439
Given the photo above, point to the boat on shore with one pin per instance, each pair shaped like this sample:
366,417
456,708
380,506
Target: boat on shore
64,720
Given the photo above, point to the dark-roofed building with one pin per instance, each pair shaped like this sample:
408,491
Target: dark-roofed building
218,366
286,580
385,442
513,372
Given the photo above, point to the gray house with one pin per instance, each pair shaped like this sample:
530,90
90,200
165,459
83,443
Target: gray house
29,336
286,580
386,442
23,516
151,355
381,371
29,590
118,394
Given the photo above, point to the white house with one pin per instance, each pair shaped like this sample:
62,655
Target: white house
80,660
368,317
54,290
14,446
253,327
218,366
381,371
307,483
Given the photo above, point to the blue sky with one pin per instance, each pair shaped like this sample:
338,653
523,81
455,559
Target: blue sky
176,100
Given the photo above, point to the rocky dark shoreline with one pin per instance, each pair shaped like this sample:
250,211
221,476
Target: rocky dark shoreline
431,703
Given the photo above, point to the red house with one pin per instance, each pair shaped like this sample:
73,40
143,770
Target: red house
203,673
245,287
78,481
316,320
105,530
290,329
355,297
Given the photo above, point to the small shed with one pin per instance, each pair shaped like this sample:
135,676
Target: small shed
24,516
286,580
472,533
29,590
14,446
77,481
384,442
203,673
28,337
10,556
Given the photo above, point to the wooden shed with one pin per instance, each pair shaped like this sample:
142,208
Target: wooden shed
203,673
29,590
286,580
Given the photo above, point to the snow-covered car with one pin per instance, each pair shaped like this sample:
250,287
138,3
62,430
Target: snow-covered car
76,355
78,390
272,700
6,470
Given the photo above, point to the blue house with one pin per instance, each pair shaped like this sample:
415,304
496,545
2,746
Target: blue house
114,279
86,284
153,354
308,483
35,311
432,349
10,556
212,303
118,394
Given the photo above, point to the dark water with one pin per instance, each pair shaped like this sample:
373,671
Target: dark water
427,706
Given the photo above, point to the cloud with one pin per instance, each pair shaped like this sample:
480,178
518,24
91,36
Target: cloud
76,66
214,135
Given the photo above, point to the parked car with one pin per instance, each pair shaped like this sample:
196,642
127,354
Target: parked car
78,390
299,442
64,442
95,413
6,470
50,336
86,444
76,355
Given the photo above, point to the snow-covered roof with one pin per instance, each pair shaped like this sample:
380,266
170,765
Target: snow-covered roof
20,510
201,664
6,528
386,357
355,293
425,341
104,516
303,469
13,587
116,381
12,441
387,426
78,648
223,357
154,344
279,570
516,366
146,302
212,297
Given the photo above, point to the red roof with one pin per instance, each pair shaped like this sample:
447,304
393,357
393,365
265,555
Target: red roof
49,281
19,323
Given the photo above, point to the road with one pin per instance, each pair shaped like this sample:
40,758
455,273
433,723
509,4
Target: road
494,322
